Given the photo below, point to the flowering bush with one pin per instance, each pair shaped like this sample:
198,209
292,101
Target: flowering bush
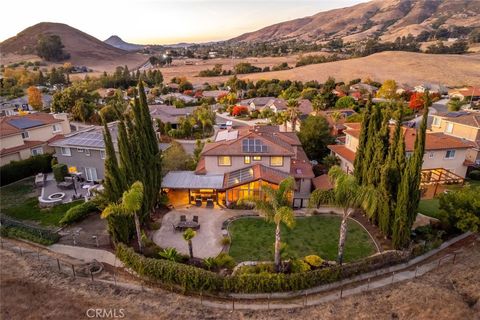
239,111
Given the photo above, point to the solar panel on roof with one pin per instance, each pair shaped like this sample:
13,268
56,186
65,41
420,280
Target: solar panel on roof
253,146
25,123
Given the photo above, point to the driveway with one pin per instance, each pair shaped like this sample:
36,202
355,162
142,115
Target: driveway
207,241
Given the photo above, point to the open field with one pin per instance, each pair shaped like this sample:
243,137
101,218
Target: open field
253,238
450,292
405,67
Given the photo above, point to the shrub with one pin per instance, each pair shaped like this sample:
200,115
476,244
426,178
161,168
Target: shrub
17,170
60,170
298,265
170,254
210,263
15,229
257,269
239,111
225,241
223,260
474,175
78,213
19,233
313,260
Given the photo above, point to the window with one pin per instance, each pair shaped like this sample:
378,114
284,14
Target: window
450,154
87,152
66,151
91,174
430,155
224,161
102,154
37,151
80,150
56,128
347,140
247,160
449,127
25,135
436,121
257,158
276,161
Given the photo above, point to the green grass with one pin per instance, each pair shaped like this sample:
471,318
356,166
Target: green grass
253,239
430,207
19,201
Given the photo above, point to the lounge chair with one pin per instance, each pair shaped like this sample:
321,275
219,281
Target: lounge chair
198,202
183,218
210,203
195,219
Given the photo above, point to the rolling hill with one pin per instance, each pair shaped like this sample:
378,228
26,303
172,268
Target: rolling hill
117,42
83,48
385,18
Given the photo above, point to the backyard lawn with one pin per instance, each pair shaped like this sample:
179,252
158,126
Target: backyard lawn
253,239
19,201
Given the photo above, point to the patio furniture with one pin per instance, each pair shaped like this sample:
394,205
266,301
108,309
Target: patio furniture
65,185
210,203
40,180
175,228
183,218
195,219
198,202
184,225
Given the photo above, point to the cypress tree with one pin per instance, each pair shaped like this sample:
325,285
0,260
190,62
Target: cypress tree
373,128
114,183
359,161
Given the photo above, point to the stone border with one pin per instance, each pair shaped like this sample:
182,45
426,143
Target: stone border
338,284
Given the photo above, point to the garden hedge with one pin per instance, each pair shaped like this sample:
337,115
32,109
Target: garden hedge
196,279
78,213
60,171
12,228
17,170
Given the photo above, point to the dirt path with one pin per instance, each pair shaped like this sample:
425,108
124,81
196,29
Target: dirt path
30,291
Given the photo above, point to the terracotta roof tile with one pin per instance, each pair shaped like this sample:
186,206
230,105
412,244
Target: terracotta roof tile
301,169
7,128
343,152
27,145
322,182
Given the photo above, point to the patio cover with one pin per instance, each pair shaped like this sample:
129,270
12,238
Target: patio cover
190,180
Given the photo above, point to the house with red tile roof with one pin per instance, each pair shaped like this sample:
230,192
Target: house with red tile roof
442,151
244,159
22,136
463,125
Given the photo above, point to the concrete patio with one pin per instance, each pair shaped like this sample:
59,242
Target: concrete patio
50,187
207,241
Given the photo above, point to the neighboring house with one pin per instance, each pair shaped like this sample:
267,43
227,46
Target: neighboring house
22,136
441,150
261,103
432,88
12,107
463,125
239,162
177,96
470,94
84,151
336,119
215,94
169,113
363,88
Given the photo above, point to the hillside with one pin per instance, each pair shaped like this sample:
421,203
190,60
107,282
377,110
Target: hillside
405,67
117,42
83,48
386,18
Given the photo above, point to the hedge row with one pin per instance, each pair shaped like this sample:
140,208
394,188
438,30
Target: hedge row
12,228
17,170
195,279
78,213
26,234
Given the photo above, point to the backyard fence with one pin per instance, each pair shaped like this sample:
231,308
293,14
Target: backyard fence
78,270
42,233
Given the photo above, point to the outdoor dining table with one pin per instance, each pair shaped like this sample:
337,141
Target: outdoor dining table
184,225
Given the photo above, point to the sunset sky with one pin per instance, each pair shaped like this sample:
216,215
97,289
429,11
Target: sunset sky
160,21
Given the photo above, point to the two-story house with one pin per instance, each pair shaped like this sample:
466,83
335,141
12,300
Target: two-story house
22,136
262,103
442,151
239,162
84,151
463,125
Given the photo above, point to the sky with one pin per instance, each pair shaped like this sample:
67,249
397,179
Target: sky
160,21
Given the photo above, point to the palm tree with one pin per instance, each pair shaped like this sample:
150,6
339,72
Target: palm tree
276,208
130,204
292,112
455,104
336,116
348,195
188,235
